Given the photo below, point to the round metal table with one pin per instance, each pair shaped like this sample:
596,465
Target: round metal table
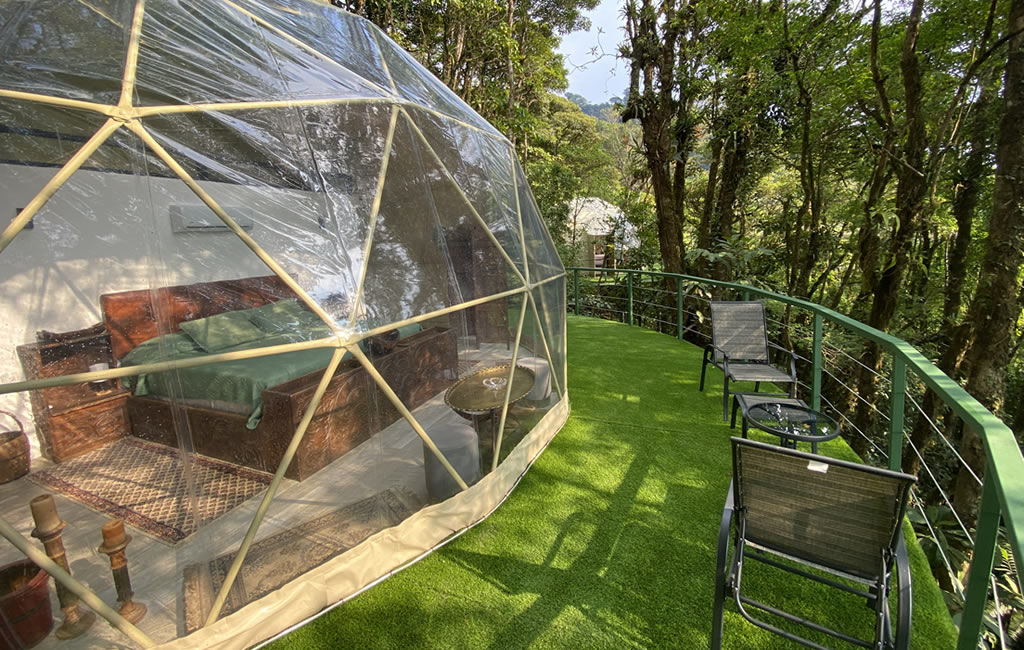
483,393
793,423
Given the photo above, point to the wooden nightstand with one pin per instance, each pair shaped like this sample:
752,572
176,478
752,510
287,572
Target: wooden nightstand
71,420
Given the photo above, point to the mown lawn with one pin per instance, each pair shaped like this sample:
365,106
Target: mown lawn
609,540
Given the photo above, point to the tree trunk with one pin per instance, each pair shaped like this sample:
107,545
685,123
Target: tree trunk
967,183
707,217
995,309
652,100
734,168
911,190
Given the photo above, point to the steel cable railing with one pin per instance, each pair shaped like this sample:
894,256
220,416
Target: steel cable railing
647,298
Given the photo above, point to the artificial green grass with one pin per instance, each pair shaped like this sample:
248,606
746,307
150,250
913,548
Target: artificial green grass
609,540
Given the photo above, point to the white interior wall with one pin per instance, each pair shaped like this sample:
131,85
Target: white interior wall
105,232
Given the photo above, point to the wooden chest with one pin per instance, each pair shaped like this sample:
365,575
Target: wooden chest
71,420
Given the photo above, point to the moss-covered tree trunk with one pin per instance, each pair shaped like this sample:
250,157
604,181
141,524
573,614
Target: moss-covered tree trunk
995,309
911,190
653,33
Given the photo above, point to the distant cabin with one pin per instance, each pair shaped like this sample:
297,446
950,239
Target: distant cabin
600,232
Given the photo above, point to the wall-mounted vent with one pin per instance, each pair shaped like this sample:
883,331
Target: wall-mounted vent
200,218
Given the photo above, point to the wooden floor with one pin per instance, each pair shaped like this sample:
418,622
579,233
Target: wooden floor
392,458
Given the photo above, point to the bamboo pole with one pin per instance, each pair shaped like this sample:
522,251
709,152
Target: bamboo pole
205,197
171,109
69,168
282,467
462,195
63,102
548,280
519,213
305,46
508,387
373,29
192,362
397,403
132,59
441,312
99,12
224,107
374,212
41,560
452,118
164,366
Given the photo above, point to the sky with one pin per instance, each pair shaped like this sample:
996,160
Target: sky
607,77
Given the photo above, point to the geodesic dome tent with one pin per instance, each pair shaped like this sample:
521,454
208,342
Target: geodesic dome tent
274,296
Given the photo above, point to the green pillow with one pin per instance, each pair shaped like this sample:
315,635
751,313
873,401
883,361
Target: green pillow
222,330
284,317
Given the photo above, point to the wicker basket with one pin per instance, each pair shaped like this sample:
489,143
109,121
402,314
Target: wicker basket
14,457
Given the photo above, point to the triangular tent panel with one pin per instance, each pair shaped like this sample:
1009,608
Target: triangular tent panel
475,160
41,136
338,36
44,51
171,71
429,250
307,209
549,300
425,90
540,250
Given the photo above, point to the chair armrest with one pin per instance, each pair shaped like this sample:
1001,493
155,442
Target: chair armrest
722,571
905,599
709,348
724,529
792,358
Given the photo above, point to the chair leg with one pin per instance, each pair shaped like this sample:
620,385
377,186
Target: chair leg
757,386
721,569
725,398
703,369
732,419
903,595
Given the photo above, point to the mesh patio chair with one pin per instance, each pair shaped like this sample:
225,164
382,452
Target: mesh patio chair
787,508
740,349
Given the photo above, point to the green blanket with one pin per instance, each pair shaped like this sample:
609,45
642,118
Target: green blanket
242,381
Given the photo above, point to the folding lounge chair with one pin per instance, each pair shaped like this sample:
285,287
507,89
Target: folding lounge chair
788,508
739,348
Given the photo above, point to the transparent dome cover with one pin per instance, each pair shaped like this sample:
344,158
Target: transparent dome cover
276,301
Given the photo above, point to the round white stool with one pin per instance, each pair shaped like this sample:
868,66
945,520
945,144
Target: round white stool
460,445
542,371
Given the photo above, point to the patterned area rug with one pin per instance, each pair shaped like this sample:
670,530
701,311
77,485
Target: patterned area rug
280,558
143,483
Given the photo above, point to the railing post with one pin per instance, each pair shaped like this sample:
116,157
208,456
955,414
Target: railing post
899,389
985,538
576,290
816,365
629,293
679,308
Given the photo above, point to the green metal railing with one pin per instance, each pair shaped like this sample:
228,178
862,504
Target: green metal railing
1002,496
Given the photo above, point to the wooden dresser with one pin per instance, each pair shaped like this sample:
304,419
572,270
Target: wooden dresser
71,420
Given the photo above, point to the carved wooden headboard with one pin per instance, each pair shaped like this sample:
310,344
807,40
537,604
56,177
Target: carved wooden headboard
132,317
